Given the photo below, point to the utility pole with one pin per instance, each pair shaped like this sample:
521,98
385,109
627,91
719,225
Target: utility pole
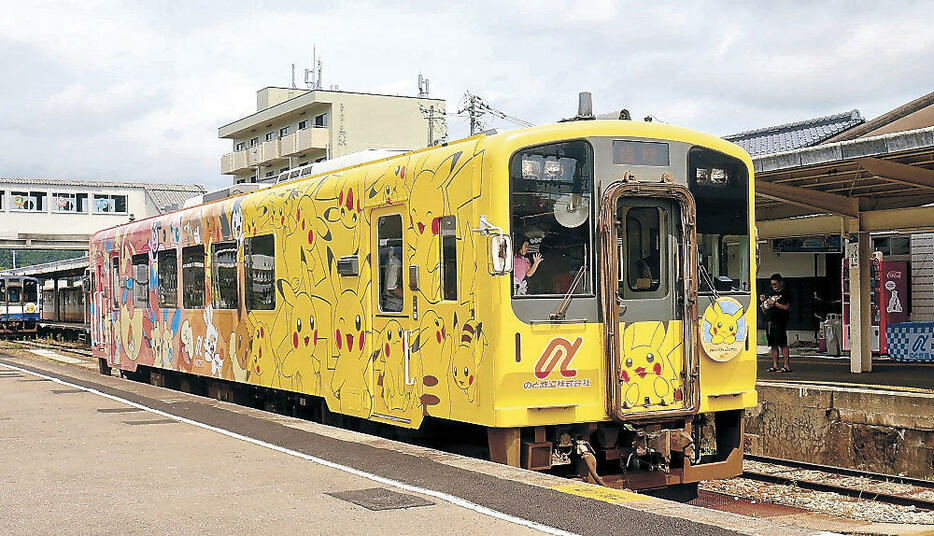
431,115
473,105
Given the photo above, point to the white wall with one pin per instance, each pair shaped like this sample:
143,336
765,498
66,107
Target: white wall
922,277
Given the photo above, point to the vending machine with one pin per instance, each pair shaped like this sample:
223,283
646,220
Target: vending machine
888,281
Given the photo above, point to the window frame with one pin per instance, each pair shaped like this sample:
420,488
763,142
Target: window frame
40,198
303,124
186,295
448,273
116,285
396,213
140,297
239,146
113,199
76,198
248,279
625,287
215,280
161,277
593,243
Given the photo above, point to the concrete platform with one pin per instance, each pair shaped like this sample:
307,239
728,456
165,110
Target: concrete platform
808,366
84,453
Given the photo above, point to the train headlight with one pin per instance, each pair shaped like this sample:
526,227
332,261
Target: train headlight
712,176
719,176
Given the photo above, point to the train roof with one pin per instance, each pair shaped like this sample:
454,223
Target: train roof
502,143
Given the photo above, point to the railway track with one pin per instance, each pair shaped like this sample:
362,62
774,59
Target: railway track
51,345
891,489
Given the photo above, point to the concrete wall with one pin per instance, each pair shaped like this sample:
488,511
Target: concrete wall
884,431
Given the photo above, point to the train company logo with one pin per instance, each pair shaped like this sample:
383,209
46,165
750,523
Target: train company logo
559,351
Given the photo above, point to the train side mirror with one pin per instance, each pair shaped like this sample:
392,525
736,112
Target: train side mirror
501,257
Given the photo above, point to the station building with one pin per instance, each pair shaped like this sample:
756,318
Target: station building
835,189
41,213
293,127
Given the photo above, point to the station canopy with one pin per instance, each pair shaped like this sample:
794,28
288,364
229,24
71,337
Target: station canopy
846,175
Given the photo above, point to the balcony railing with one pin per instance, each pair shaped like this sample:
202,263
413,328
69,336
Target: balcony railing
269,151
304,140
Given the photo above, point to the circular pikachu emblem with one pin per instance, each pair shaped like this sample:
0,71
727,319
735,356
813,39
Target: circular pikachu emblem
723,329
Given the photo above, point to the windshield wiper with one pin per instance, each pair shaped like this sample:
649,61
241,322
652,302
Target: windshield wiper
562,309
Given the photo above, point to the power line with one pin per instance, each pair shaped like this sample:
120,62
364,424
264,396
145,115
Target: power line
432,114
476,107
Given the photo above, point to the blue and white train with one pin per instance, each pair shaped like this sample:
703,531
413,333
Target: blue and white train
20,307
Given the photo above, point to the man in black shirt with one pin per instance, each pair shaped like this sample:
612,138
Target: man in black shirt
775,305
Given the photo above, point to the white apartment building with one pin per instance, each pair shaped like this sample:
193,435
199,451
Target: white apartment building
64,213
292,127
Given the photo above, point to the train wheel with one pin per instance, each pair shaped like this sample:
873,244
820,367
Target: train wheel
103,366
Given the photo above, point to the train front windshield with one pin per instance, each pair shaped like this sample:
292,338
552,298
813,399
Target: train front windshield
552,219
554,202
720,187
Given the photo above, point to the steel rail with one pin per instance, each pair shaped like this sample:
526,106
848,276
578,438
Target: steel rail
902,500
919,482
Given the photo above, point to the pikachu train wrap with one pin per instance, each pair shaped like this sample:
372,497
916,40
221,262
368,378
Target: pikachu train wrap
641,392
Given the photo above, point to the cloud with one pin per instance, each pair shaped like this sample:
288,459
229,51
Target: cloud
109,89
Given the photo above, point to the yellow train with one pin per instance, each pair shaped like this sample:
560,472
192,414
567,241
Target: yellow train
582,290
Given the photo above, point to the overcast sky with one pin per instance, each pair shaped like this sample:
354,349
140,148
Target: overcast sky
136,90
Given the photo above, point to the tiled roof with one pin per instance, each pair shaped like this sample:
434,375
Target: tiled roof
163,195
791,136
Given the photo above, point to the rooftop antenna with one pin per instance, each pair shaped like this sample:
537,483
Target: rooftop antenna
313,76
422,86
293,76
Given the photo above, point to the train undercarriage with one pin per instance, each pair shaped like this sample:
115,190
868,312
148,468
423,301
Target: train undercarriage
667,458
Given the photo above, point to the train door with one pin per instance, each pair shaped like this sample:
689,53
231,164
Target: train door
649,300
392,377
116,291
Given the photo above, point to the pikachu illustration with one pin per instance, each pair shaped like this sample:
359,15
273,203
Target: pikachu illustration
723,325
647,373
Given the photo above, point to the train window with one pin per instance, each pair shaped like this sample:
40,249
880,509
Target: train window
259,272
448,258
642,258
30,291
2,290
141,280
224,294
719,184
389,241
13,293
552,207
116,287
167,262
193,277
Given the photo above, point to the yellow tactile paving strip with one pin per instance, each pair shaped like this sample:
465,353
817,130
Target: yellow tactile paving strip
600,493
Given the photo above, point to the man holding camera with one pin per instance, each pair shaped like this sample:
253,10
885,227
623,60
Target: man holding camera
775,305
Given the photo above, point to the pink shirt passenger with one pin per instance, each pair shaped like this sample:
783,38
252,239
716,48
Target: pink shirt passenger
521,267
